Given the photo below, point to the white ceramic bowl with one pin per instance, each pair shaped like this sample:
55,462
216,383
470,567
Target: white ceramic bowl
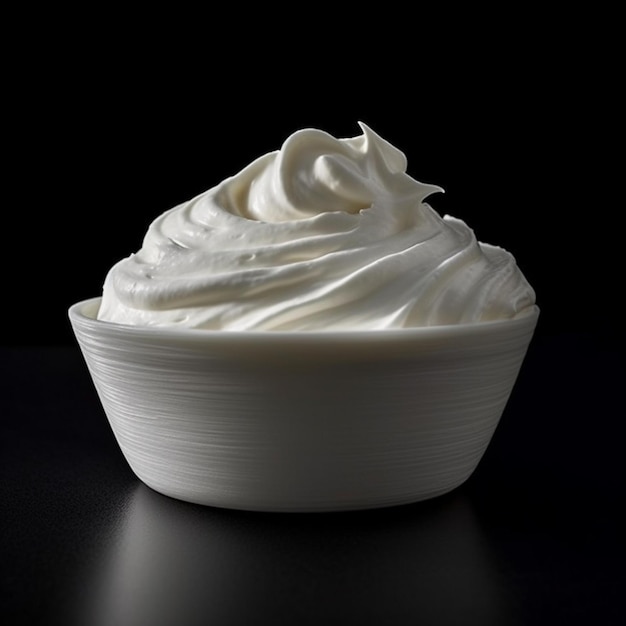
303,421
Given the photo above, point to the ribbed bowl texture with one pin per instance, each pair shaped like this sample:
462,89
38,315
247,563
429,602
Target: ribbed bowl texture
302,421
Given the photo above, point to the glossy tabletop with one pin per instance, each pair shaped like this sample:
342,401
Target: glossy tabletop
535,536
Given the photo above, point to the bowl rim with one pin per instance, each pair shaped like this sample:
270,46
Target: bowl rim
84,311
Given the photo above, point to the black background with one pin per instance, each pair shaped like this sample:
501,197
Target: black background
107,128
113,120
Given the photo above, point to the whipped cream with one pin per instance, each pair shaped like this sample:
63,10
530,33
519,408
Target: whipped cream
324,234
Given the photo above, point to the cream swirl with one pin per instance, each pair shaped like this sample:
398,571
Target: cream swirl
324,234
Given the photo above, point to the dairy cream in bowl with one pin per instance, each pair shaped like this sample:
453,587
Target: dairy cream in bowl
308,335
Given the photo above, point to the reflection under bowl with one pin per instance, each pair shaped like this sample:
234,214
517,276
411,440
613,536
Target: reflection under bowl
173,563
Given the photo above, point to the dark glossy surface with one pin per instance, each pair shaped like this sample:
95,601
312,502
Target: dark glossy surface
534,537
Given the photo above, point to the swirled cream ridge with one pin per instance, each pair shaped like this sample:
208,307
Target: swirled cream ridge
324,234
